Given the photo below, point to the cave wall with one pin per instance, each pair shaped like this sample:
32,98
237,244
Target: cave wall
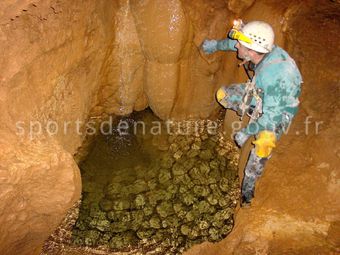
75,61
65,63
156,59
296,205
52,53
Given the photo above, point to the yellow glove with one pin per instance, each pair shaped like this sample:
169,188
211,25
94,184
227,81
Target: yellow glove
265,143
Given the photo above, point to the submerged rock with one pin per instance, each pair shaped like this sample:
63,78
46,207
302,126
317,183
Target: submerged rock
91,237
165,209
139,201
185,196
101,225
155,222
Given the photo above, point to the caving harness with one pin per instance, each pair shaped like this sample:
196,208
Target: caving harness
245,107
250,91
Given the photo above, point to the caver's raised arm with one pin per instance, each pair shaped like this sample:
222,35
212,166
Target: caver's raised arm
211,46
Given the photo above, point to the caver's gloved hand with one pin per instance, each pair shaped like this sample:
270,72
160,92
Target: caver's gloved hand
241,137
209,46
265,143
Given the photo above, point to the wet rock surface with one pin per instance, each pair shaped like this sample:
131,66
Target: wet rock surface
177,190
71,60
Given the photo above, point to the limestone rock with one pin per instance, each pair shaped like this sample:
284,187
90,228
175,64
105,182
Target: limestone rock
39,182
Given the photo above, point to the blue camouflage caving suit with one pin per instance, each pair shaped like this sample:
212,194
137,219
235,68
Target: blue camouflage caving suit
279,79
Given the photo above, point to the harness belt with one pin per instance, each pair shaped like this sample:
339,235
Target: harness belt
245,107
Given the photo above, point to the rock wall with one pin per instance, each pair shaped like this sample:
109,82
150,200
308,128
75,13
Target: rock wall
65,64
52,53
156,61
296,206
69,62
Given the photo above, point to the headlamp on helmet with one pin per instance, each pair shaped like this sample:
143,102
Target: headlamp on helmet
236,34
255,35
238,24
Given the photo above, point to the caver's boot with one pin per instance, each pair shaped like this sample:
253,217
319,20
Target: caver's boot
252,172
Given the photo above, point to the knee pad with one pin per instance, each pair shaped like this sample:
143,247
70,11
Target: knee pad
222,96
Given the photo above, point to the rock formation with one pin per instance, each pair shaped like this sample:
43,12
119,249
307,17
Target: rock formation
65,63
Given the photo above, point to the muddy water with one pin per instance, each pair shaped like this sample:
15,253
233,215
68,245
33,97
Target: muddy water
155,186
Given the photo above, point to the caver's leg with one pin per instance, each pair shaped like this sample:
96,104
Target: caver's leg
252,172
231,97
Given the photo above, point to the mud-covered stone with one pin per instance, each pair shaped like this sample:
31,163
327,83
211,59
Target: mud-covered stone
204,168
185,230
206,154
165,209
170,222
106,205
145,233
99,224
164,176
178,169
155,222
201,191
224,184
182,199
139,201
167,161
137,218
193,152
91,237
120,205
148,210
188,198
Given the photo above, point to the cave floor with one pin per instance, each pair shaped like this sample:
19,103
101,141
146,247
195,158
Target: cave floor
152,192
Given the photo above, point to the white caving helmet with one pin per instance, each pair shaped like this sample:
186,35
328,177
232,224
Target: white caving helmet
261,34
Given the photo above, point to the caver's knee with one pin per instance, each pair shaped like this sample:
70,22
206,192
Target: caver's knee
255,165
231,96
